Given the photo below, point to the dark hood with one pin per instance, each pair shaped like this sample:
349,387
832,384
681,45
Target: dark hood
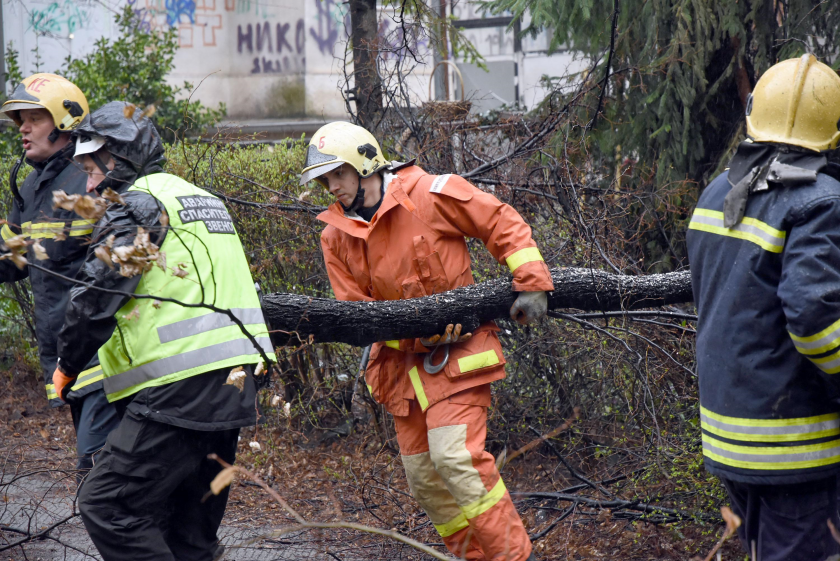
132,140
758,166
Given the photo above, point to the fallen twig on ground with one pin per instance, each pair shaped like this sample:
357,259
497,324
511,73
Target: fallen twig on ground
224,478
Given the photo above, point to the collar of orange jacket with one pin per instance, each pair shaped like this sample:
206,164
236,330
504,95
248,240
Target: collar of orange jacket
397,193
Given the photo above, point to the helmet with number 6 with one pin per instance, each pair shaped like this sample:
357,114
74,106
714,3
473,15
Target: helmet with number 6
61,97
340,143
797,102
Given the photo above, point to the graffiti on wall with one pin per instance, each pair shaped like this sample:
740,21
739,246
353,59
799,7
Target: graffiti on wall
280,48
180,11
256,8
329,16
59,18
198,21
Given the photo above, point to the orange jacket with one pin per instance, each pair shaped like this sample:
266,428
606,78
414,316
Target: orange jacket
414,246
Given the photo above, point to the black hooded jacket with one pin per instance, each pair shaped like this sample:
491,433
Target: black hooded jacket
37,219
196,402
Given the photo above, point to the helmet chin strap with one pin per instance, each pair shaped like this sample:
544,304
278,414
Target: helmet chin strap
103,168
358,200
99,163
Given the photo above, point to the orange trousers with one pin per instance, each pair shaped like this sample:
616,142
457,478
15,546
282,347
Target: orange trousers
456,481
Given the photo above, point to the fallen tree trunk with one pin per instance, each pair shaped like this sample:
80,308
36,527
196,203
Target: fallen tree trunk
362,323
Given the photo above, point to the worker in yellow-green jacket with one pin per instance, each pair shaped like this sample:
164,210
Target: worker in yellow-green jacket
166,365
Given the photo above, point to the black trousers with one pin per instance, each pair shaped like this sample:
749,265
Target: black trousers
786,522
143,499
94,419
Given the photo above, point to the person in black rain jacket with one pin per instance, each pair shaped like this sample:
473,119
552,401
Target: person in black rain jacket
46,107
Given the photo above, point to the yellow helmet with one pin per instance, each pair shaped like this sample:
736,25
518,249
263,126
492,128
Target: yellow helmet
797,101
65,102
340,143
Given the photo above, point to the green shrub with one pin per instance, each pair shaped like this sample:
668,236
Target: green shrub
134,68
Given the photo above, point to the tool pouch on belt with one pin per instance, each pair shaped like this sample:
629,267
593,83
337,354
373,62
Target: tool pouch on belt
384,386
482,353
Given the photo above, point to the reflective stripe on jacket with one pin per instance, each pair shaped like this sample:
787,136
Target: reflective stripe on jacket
158,342
414,246
768,336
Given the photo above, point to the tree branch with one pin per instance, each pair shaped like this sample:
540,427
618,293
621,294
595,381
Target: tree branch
362,323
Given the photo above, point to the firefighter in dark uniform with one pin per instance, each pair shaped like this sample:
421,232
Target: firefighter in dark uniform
165,365
764,246
46,107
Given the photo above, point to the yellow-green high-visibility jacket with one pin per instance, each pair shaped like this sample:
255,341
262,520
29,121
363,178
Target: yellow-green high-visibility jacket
158,342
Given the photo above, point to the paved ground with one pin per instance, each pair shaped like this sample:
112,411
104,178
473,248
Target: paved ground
38,501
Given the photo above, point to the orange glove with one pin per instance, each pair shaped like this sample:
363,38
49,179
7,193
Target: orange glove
62,383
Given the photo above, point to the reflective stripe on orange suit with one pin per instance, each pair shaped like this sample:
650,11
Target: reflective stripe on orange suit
414,246
456,481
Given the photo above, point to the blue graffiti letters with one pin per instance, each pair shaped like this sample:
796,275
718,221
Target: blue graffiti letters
175,9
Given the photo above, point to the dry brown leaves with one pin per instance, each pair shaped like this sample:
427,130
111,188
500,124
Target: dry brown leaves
222,480
180,271
130,108
17,247
40,252
91,208
103,254
733,522
111,195
236,378
133,314
137,258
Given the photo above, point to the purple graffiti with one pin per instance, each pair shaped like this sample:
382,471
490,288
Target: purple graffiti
263,65
282,29
142,17
264,36
300,35
246,35
327,33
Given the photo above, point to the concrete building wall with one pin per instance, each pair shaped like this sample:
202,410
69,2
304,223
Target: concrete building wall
262,58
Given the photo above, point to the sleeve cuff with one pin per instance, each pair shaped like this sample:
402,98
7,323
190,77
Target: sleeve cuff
66,369
533,277
523,256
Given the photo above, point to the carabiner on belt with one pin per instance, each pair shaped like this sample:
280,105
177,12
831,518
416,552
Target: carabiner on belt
431,368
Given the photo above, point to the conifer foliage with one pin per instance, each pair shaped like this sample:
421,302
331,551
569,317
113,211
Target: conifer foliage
675,74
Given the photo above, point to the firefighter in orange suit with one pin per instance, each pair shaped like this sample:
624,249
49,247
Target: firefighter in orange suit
397,232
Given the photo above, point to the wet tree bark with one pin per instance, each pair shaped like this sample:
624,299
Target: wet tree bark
362,323
367,89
